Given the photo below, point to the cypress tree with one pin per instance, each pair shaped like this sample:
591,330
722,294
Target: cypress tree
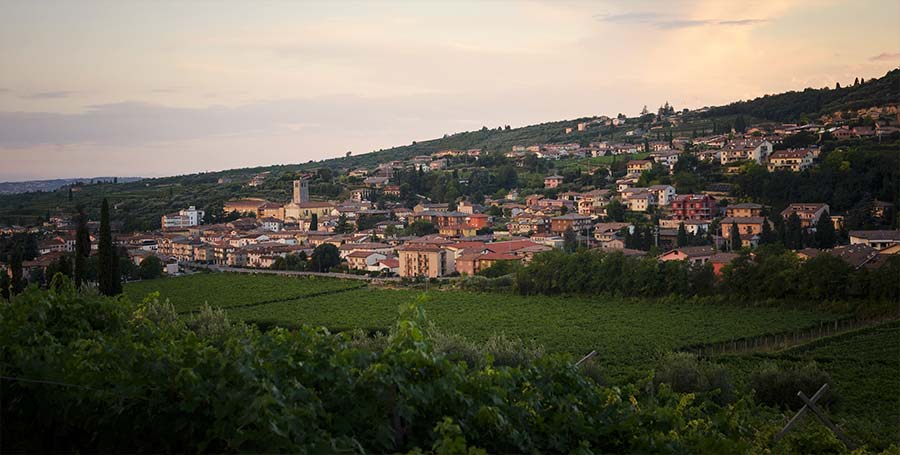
735,237
4,285
82,248
314,222
767,236
825,236
106,255
682,235
17,284
570,241
793,232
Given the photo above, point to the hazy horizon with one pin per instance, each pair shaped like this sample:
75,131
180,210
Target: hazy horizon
157,89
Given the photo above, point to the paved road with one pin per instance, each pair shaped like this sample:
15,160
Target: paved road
346,276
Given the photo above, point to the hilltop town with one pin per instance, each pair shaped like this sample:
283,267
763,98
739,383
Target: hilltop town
657,190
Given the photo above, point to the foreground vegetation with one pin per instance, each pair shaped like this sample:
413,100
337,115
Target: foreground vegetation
628,333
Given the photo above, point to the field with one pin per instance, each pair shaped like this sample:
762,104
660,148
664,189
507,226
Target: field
865,368
627,333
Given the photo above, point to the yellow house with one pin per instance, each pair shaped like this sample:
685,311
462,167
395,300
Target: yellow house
305,210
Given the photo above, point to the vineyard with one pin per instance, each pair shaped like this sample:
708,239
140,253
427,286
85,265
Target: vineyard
628,333
227,290
863,365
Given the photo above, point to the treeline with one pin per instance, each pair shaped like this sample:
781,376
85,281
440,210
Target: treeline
811,103
849,181
94,374
770,273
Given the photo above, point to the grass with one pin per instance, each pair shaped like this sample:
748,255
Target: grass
628,333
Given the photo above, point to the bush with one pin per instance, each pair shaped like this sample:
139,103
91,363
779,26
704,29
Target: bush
685,373
777,386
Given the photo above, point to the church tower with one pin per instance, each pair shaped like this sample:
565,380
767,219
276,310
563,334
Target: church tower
301,191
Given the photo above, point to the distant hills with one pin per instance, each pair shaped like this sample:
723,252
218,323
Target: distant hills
55,184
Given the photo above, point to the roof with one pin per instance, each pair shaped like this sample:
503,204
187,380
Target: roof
423,247
694,251
492,256
745,205
743,220
555,176
877,235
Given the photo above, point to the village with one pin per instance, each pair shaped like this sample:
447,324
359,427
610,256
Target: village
379,233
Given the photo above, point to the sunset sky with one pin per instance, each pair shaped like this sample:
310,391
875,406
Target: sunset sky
150,88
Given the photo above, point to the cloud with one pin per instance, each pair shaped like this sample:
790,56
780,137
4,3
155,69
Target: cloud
49,95
671,23
885,56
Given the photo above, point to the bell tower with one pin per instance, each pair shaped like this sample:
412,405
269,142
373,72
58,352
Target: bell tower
301,191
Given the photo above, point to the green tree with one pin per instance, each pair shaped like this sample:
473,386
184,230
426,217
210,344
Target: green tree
324,257
107,263
767,236
615,211
342,226
740,125
825,236
151,267
17,280
793,232
314,222
82,247
682,235
735,235
570,240
4,284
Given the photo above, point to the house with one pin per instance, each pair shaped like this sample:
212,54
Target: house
305,210
560,224
364,260
664,194
553,181
878,240
271,224
527,224
422,260
790,160
745,209
182,219
392,190
470,264
607,234
389,265
749,225
720,260
54,245
693,207
636,167
639,201
692,254
756,150
369,247
271,209
809,213
247,205
438,165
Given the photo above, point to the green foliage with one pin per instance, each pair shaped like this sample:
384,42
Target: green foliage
108,276
325,257
684,373
145,381
777,386
151,267
628,333
420,228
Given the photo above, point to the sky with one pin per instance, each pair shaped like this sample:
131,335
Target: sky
154,88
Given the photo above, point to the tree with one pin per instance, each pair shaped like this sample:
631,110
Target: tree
735,237
4,285
420,228
151,267
342,226
107,263
17,280
61,265
615,211
314,222
740,125
793,232
570,240
767,235
682,235
825,236
82,247
324,257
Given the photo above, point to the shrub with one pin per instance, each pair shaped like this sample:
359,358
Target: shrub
685,373
774,385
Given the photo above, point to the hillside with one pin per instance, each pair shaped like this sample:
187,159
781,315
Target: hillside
139,204
813,103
